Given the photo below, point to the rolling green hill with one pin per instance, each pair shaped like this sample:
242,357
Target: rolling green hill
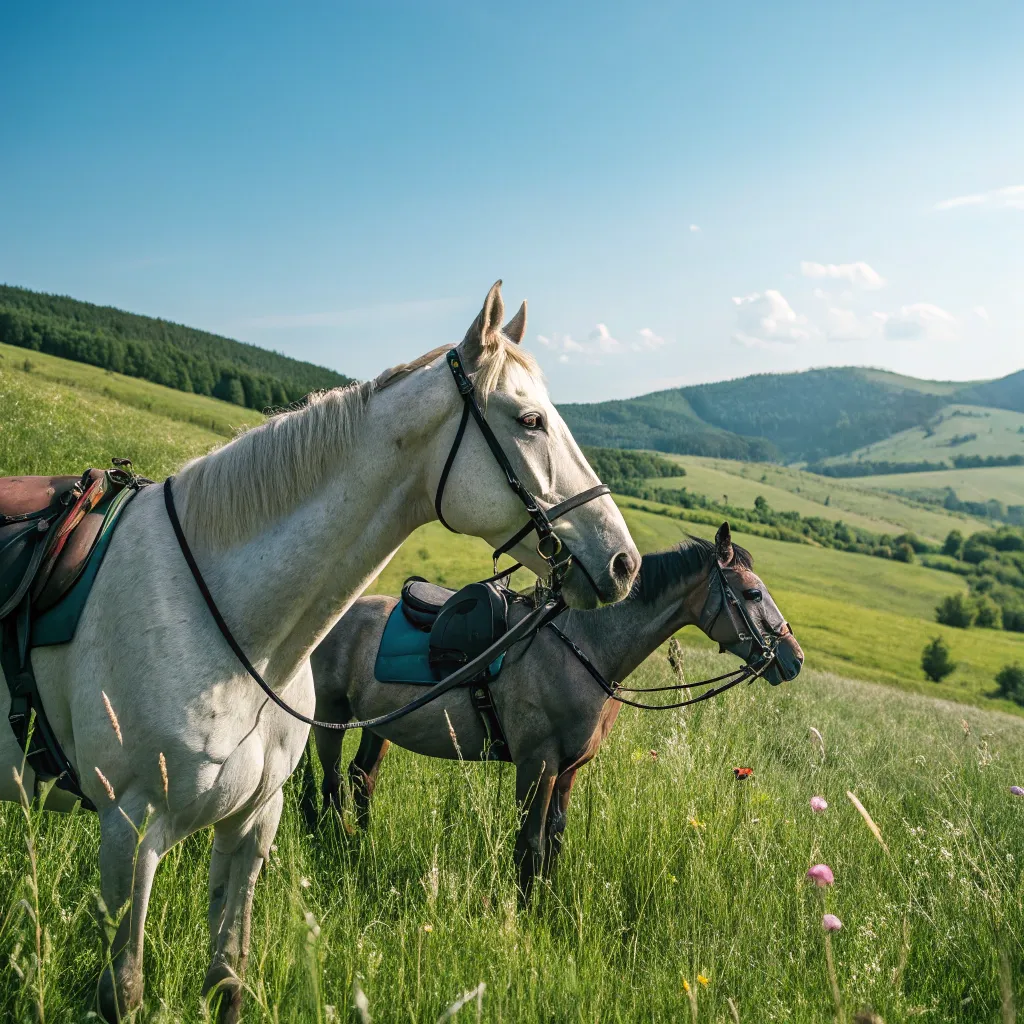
954,431
157,350
1004,483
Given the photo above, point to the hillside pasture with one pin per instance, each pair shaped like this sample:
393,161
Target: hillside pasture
1004,483
856,502
954,430
681,892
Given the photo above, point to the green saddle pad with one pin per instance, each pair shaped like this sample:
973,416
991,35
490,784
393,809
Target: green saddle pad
404,654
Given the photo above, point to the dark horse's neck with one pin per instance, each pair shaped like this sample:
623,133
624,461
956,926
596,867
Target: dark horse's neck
669,595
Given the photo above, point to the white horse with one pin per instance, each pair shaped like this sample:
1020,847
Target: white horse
289,523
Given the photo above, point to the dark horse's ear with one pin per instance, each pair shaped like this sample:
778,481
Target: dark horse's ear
723,544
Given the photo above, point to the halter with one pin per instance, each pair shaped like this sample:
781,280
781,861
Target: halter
549,544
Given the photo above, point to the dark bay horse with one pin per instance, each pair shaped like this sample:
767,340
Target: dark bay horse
553,713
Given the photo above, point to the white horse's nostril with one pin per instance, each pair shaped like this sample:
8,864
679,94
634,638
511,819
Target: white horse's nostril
624,566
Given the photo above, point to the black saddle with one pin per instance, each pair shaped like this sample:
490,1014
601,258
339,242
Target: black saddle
461,624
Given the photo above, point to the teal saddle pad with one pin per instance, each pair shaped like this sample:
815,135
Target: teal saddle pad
404,654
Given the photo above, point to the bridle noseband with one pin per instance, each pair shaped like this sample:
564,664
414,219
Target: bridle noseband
549,544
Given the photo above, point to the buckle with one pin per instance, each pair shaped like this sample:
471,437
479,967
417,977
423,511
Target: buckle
552,541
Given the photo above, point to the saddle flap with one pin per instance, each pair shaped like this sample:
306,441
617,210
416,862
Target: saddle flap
423,601
70,562
467,625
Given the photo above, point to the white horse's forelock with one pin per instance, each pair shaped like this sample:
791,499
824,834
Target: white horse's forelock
264,473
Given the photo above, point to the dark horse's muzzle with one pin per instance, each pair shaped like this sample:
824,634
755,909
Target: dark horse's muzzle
789,659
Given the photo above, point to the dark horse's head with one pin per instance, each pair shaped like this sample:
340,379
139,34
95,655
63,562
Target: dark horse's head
741,616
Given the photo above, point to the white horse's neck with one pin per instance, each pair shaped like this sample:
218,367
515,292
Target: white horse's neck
284,587
620,637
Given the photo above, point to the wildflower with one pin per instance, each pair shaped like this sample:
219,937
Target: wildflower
831,923
304,883
742,773
428,928
695,824
821,875
672,879
654,755
702,980
818,804
1017,790
686,986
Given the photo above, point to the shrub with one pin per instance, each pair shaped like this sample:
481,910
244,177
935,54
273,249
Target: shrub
904,553
955,610
1010,682
935,660
987,613
953,544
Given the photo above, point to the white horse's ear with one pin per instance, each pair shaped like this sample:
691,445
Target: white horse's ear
483,333
515,329
723,545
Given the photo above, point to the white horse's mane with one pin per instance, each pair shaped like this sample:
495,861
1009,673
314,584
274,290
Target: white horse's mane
263,474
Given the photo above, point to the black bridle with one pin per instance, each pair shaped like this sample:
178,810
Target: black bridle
760,655
549,545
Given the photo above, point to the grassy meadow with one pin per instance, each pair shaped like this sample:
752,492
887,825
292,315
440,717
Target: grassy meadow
681,893
1004,483
859,502
956,430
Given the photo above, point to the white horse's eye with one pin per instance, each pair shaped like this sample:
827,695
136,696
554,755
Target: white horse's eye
532,421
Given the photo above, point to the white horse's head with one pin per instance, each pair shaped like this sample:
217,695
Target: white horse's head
477,498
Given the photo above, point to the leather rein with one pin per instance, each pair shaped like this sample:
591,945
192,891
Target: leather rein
762,647
549,546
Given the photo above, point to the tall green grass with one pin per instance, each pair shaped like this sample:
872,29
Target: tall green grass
672,870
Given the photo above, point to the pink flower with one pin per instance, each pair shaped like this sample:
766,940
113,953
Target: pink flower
821,875
1017,791
831,923
818,804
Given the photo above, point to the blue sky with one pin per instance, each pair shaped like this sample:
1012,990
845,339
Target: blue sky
683,192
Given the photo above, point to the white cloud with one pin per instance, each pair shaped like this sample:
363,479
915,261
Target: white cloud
1009,198
647,341
860,274
981,312
920,321
695,228
599,343
767,319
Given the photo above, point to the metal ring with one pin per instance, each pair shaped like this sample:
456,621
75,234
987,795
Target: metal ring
553,537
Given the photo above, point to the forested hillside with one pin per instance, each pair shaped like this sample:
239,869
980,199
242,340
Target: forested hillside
790,417
157,350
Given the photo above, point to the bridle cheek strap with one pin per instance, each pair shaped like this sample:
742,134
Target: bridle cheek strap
540,519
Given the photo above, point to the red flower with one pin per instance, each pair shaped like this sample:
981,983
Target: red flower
742,773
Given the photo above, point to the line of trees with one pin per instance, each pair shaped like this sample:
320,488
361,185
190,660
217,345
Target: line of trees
156,350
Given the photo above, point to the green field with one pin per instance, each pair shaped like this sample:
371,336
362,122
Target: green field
999,432
792,490
1004,483
672,871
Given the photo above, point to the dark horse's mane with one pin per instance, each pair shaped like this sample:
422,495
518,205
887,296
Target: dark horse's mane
663,570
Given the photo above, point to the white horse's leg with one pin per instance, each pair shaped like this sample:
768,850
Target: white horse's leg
241,845
128,865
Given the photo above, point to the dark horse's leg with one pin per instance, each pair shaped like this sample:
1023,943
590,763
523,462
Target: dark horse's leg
534,782
557,815
308,802
362,773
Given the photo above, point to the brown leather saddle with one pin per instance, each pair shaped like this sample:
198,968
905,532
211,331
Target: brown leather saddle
50,530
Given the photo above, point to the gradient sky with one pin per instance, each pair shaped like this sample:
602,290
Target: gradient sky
684,192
